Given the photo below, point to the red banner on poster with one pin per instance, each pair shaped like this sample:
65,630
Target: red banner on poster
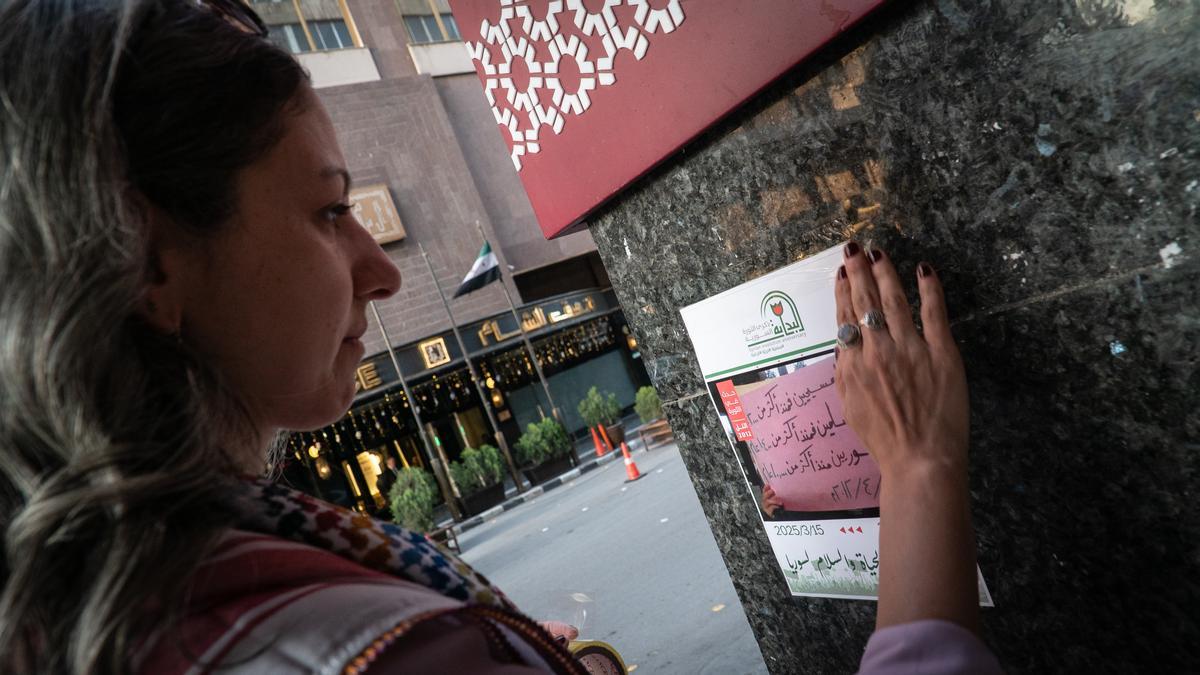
591,94
734,409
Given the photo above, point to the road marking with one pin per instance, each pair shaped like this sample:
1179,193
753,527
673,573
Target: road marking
718,607
623,489
584,509
664,520
659,471
545,529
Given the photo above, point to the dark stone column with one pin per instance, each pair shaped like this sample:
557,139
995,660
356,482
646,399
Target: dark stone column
1045,156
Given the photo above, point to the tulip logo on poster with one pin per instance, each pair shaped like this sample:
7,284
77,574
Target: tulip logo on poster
783,316
779,320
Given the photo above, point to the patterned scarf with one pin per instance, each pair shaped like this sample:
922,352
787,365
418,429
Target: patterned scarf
273,509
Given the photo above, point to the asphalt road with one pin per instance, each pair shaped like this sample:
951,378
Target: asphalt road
632,564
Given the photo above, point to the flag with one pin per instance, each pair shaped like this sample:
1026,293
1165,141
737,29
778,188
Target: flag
485,270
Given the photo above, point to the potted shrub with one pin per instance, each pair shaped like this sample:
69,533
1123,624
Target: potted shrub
647,405
544,450
412,499
597,408
479,475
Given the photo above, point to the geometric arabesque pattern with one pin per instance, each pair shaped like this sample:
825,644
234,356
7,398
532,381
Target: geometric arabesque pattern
527,118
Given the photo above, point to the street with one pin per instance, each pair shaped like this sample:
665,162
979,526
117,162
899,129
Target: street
632,564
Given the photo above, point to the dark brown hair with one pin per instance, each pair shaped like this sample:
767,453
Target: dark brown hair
114,440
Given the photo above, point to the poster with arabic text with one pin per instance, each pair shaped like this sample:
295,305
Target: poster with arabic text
765,349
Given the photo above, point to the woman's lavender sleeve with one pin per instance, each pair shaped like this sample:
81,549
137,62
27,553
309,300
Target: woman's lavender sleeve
930,647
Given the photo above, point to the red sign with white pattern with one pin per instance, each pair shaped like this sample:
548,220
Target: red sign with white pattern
591,94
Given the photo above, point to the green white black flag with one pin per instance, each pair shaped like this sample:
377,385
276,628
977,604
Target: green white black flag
485,270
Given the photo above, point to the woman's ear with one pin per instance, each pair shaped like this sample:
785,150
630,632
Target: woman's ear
167,272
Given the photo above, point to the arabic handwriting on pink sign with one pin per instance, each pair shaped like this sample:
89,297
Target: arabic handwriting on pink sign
803,448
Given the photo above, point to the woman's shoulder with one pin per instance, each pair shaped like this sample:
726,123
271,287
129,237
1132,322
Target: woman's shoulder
268,604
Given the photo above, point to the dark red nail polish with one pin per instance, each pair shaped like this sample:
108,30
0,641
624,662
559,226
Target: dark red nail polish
851,249
842,272
924,270
874,255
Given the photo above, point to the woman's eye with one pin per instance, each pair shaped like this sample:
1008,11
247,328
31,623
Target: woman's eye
338,210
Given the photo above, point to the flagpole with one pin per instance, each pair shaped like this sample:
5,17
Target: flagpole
554,412
447,490
483,399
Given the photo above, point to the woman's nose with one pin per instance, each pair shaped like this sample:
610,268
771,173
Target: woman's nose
375,275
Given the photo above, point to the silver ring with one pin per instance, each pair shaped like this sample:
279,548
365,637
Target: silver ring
873,319
848,335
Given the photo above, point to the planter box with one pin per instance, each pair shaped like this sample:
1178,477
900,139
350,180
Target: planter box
616,434
547,470
481,500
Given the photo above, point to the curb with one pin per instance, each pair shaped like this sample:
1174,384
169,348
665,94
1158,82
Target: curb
534,492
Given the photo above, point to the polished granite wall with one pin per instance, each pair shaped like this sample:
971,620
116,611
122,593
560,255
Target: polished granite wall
1045,156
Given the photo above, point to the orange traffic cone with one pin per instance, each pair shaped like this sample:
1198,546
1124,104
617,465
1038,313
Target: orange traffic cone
631,469
596,442
604,435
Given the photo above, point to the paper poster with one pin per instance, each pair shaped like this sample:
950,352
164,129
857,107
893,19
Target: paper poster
802,447
765,349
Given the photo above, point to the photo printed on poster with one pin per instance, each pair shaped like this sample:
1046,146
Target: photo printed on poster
766,350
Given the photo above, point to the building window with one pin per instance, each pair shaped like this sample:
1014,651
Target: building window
428,21
331,34
424,28
290,36
451,27
309,25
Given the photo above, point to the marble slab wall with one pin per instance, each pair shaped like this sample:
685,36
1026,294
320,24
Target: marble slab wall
1045,156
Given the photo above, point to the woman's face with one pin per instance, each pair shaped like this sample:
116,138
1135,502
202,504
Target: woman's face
277,301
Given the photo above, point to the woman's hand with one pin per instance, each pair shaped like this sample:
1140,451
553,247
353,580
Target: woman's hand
904,391
770,501
905,395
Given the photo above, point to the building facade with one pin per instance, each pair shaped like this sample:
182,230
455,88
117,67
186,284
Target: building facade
432,177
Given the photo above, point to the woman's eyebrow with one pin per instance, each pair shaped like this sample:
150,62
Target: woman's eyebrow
331,171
